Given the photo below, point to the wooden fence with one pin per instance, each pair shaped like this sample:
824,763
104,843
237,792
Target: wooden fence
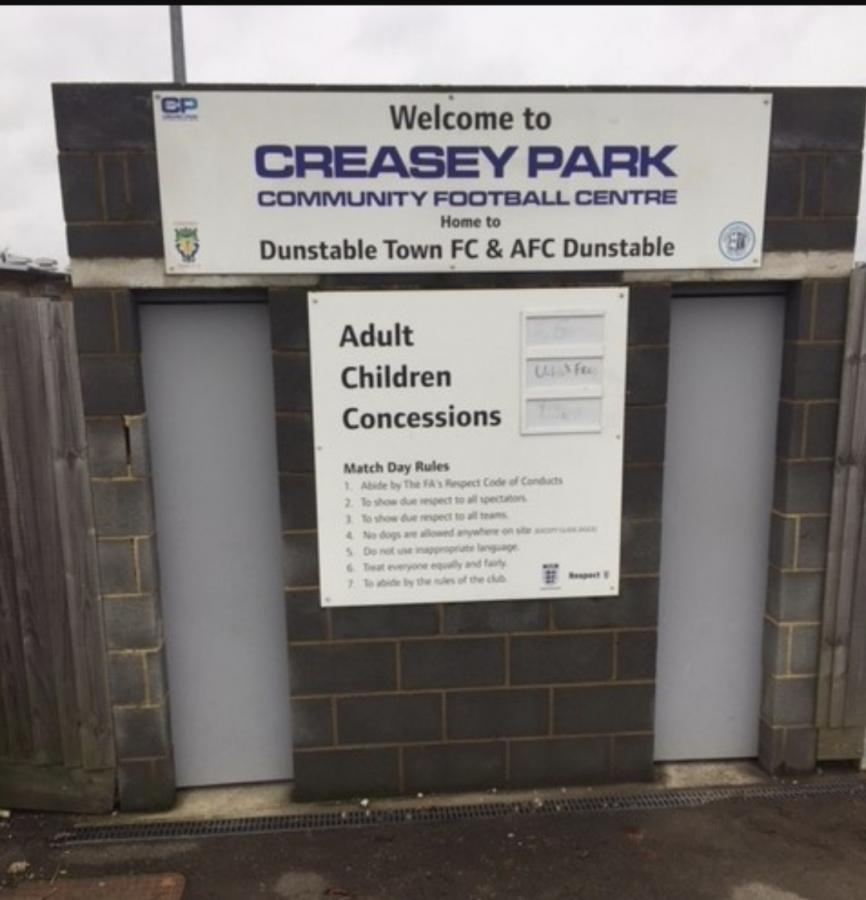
56,744
841,709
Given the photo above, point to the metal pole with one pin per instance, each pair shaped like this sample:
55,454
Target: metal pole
177,55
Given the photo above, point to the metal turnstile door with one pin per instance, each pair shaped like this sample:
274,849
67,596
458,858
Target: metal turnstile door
723,396
210,411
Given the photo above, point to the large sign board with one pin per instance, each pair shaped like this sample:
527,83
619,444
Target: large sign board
365,181
468,443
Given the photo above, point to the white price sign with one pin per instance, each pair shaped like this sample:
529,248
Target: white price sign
468,443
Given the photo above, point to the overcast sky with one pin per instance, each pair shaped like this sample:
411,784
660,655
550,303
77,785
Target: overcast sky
723,45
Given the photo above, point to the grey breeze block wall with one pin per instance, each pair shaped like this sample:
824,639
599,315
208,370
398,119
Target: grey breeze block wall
452,696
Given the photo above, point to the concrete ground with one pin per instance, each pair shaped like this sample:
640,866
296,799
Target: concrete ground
809,849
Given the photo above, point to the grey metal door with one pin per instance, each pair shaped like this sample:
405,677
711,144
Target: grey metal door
725,371
210,404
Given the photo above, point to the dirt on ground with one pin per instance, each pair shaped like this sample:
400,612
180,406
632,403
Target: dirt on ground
811,849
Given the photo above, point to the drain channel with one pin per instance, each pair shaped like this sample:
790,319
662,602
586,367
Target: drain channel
610,803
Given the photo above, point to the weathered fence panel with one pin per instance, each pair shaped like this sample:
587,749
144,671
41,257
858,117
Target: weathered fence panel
56,744
841,708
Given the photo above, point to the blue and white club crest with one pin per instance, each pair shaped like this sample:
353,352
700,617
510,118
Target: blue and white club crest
737,241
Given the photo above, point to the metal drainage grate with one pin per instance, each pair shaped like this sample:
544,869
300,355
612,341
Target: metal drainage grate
609,803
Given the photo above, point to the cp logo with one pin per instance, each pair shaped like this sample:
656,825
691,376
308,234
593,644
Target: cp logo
178,106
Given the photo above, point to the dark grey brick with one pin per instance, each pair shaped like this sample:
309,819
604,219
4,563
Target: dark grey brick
111,385
79,187
126,313
789,701
642,492
831,310
342,668
157,676
636,605
122,508
131,188
141,732
649,314
783,540
454,767
812,547
83,123
810,234
115,183
143,186
842,184
805,642
789,429
117,567
813,186
784,185
339,774
495,617
300,560
146,785
603,709
633,757
635,655
801,746
644,434
771,748
385,621
94,321
561,659
114,239
298,501
131,624
817,119
647,376
289,325
803,487
126,681
811,371
148,566
312,724
496,714
305,618
391,719
106,447
452,662
798,311
795,596
139,446
295,443
559,762
292,388
821,426
641,547
774,649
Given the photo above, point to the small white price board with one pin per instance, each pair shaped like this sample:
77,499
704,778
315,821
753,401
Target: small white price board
468,443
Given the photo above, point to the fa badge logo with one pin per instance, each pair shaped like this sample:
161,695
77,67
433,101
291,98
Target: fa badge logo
550,574
187,243
737,241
